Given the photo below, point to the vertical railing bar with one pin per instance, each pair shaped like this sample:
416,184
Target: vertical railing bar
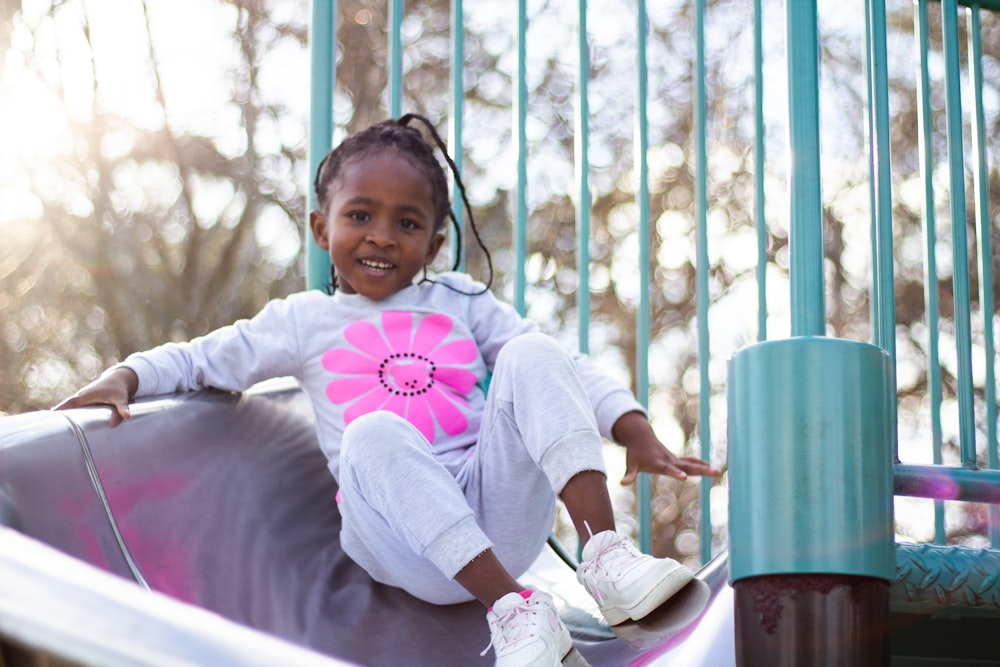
805,199
878,88
520,107
885,324
641,142
456,122
759,161
323,74
873,295
581,140
960,253
395,58
701,271
926,148
982,195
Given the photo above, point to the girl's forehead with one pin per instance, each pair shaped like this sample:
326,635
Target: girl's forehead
382,163
384,169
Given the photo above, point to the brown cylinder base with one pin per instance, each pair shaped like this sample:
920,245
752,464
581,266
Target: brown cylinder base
810,620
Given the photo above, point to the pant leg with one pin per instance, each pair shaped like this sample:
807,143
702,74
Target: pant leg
405,518
538,431
412,525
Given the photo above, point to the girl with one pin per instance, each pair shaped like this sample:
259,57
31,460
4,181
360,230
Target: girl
446,491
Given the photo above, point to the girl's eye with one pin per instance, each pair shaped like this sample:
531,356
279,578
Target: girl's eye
406,223
358,216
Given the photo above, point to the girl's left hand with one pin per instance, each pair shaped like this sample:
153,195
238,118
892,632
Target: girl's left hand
645,452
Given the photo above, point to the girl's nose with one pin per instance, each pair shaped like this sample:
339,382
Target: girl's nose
381,234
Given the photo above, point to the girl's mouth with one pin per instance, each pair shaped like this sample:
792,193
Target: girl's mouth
376,264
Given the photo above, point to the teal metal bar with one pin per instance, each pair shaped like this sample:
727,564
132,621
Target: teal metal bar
981,184
581,139
521,156
457,121
806,206
873,298
701,273
395,58
759,160
928,219
959,239
642,325
322,62
947,483
884,325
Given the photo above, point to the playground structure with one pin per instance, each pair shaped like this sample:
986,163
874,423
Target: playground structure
812,461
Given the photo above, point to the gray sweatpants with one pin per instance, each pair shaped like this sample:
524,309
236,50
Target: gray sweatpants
413,523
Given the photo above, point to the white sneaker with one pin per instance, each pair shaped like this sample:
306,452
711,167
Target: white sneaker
626,583
527,632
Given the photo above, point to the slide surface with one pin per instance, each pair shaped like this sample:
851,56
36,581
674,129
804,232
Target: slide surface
224,503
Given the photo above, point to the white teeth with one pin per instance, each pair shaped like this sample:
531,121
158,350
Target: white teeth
375,264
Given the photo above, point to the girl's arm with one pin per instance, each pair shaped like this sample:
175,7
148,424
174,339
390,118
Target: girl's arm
231,359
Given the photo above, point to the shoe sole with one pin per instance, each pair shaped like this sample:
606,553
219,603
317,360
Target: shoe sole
574,659
663,591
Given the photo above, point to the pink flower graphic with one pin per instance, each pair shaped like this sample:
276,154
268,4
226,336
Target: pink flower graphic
405,371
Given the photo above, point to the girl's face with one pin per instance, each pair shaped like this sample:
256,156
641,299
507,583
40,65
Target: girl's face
379,225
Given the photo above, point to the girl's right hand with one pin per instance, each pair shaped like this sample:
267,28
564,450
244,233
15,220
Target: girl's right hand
114,389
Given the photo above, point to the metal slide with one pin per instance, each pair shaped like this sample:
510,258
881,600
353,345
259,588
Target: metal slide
204,531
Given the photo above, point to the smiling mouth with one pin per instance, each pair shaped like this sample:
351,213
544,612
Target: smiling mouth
376,264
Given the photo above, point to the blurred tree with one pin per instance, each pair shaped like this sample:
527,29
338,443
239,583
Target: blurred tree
148,228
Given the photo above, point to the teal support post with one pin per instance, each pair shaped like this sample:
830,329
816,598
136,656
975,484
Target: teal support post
521,158
457,123
581,139
642,320
811,444
322,48
395,58
982,198
959,236
805,201
929,225
760,220
811,521
701,274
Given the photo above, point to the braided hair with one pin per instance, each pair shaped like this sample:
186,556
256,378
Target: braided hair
400,135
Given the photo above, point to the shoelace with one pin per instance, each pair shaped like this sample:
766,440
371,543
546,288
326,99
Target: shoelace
609,556
512,626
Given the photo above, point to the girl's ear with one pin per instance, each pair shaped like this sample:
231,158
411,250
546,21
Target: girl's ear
317,222
434,247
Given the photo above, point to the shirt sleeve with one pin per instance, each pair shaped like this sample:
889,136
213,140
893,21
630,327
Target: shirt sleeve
232,358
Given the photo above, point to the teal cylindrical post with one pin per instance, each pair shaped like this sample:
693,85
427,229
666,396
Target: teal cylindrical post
811,433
